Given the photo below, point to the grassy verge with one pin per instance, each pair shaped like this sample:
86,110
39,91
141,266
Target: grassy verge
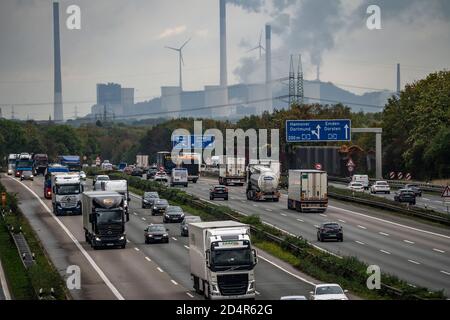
348,271
26,283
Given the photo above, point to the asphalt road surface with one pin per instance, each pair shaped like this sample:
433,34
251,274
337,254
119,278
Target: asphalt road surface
416,252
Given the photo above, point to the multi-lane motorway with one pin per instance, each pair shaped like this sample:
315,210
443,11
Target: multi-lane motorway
428,200
157,271
417,252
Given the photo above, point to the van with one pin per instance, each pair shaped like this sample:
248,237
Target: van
179,177
363,179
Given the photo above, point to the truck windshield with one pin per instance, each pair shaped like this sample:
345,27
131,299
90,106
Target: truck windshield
226,258
68,189
107,217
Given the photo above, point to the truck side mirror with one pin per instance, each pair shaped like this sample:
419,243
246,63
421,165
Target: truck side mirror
208,256
128,199
255,257
127,216
91,218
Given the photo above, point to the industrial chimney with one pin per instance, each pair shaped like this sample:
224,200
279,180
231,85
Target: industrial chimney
223,43
398,78
57,102
269,67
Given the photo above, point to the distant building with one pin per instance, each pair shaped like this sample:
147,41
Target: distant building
113,100
170,102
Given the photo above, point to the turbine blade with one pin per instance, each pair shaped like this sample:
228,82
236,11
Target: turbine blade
175,49
185,43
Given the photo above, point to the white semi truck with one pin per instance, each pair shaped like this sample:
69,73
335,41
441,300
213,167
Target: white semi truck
232,171
66,194
308,190
104,219
263,181
222,260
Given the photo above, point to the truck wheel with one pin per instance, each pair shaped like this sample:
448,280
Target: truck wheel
206,288
194,181
226,198
123,246
196,285
249,195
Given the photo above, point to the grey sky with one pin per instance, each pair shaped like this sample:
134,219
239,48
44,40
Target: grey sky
123,41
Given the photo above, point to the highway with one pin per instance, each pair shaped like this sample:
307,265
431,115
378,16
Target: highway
431,201
417,252
156,271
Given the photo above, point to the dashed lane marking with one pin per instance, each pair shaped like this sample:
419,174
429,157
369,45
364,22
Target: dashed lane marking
360,242
386,252
174,282
407,241
438,250
148,259
412,261
159,269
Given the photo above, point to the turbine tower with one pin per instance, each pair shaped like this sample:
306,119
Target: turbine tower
57,101
180,60
259,46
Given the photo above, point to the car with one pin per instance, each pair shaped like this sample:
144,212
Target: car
148,199
156,233
405,195
26,175
218,191
151,173
100,177
161,176
173,214
380,186
328,291
415,188
159,206
330,230
82,175
184,224
293,298
137,172
356,187
128,170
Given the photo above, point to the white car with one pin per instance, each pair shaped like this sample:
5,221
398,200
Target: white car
380,186
293,298
82,175
356,186
328,291
161,176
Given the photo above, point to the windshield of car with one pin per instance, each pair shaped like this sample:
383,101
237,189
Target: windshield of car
231,257
26,173
331,226
156,228
68,189
328,290
150,195
109,217
174,209
100,178
191,219
161,202
405,191
356,184
381,183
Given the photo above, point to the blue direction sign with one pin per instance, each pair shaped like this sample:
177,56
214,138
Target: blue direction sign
192,142
318,130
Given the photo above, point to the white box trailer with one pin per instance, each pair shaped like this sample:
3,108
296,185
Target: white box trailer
232,171
308,190
222,260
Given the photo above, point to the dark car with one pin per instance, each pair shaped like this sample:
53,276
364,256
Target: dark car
151,173
137,172
26,175
148,199
184,224
156,233
405,195
415,188
330,230
159,206
173,214
218,192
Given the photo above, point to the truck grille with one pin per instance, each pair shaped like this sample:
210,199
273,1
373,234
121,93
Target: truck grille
233,284
111,231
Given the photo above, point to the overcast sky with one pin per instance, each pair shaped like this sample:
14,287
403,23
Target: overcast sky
123,41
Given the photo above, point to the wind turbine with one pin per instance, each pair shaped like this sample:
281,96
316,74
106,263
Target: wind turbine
181,61
259,46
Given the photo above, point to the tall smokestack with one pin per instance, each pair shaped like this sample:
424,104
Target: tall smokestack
318,72
398,78
223,43
57,102
268,53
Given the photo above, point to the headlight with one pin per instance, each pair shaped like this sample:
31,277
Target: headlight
121,238
214,288
150,236
251,286
165,235
145,201
98,239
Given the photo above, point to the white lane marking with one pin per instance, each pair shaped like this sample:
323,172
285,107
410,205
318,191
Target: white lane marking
159,269
137,249
270,210
316,226
438,250
323,215
128,241
343,221
148,259
143,218
300,220
384,234
255,205
407,241
284,214
288,272
79,246
190,295
174,238
445,272
135,213
243,200
4,284
392,223
411,285
187,248
384,251
412,261
174,282
244,214
360,242
426,199
362,227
